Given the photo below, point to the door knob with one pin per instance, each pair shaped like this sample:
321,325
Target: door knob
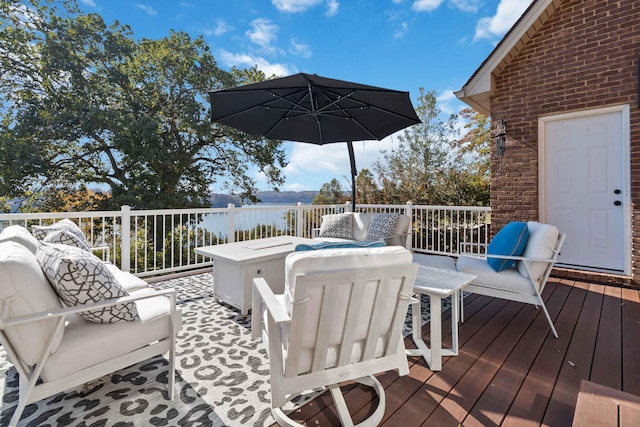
617,191
617,203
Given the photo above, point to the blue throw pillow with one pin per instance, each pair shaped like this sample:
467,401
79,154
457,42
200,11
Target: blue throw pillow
510,240
338,245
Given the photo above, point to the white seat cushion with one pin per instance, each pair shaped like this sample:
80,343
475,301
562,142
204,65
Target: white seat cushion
88,343
435,261
127,280
509,279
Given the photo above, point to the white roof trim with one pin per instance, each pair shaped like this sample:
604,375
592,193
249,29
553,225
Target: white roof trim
477,91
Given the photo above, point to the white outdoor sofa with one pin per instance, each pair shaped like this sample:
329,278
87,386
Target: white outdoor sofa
55,346
392,228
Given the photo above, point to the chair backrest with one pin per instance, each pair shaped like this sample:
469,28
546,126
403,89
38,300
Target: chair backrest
545,241
347,306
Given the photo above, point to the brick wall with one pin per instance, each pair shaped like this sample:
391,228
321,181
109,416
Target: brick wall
584,56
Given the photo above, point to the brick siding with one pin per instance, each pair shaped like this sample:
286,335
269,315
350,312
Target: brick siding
584,56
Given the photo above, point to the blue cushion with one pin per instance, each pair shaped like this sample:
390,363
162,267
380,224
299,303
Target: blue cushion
510,240
338,245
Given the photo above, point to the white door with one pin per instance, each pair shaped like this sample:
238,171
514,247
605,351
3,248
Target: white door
583,186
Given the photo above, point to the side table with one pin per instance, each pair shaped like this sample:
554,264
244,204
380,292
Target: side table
437,284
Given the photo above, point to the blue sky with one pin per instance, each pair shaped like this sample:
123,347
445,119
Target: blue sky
396,44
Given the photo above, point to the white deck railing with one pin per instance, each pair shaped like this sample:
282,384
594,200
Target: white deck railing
153,242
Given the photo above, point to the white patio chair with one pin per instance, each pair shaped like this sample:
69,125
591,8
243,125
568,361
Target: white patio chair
339,319
526,279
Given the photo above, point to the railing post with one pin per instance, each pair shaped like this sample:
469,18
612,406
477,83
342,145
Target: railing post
299,219
125,238
347,206
408,210
232,225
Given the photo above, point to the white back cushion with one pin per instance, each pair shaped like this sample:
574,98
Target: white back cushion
361,223
19,234
24,290
338,259
542,240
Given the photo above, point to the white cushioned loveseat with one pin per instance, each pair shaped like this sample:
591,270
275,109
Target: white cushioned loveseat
57,345
392,228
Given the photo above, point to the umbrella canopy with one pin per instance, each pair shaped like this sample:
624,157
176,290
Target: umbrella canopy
313,109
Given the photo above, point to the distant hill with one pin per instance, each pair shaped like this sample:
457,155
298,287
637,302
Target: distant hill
285,197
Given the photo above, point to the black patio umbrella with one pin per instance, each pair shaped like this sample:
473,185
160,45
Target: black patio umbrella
313,109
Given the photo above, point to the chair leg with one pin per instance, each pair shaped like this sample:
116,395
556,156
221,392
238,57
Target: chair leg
343,412
546,313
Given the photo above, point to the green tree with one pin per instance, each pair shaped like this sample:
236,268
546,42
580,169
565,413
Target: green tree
88,104
430,166
330,193
416,170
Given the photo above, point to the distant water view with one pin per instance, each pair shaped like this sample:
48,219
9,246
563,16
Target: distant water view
247,217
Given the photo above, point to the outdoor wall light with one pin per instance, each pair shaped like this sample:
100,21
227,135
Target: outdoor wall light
501,137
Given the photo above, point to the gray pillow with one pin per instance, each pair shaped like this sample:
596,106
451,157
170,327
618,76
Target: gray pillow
337,225
382,226
79,277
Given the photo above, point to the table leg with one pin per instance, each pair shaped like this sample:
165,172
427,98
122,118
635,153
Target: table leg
455,315
432,356
436,333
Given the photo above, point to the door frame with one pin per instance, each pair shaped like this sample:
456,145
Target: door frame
624,110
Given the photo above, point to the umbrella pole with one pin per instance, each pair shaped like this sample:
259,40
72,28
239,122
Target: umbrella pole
352,160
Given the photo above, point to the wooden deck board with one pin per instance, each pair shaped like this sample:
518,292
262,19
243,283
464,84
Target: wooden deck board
630,339
607,358
577,364
511,370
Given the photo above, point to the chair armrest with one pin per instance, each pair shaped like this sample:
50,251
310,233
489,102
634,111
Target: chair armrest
395,236
262,293
105,249
467,247
171,293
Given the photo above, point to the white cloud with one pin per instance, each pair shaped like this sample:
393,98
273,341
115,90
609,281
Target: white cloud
246,60
507,14
466,5
448,103
426,5
300,49
294,6
332,7
89,3
221,27
263,33
146,8
400,32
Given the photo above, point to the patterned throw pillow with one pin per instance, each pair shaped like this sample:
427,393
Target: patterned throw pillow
337,225
40,232
383,226
80,277
66,238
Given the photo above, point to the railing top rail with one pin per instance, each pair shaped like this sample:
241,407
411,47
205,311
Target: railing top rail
56,215
453,208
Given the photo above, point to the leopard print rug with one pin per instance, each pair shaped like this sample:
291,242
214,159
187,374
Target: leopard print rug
222,376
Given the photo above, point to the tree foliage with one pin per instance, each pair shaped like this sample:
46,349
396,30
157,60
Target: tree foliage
330,193
429,166
86,104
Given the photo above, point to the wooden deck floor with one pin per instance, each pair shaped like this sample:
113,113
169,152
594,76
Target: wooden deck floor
511,370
